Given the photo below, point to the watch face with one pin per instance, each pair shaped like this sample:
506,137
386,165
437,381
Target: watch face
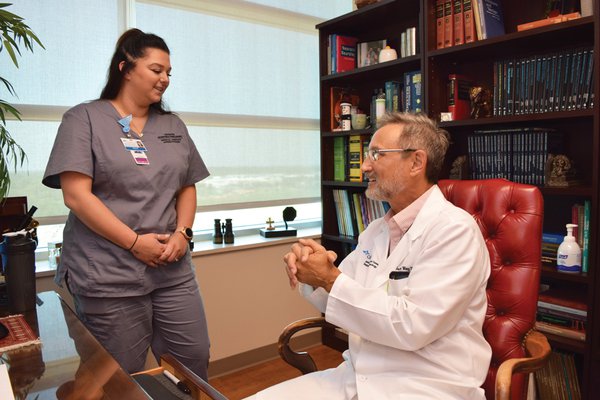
189,232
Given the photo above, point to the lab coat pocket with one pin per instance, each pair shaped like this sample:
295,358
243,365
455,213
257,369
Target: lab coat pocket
397,282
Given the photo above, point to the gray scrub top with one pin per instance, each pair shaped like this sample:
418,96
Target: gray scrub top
142,196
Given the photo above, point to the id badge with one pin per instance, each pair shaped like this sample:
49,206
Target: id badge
140,157
133,144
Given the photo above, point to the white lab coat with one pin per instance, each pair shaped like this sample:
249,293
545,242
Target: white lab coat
414,338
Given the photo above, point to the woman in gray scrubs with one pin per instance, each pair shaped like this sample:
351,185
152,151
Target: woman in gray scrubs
127,169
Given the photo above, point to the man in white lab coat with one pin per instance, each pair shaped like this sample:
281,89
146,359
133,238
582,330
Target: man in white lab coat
412,294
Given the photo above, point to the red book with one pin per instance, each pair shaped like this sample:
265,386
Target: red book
345,53
459,23
575,218
470,32
439,23
564,297
448,23
459,104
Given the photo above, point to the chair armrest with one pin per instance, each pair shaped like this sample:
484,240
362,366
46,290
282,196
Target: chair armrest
538,349
199,387
300,360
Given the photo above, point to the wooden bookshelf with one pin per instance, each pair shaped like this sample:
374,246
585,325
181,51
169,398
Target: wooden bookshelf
581,128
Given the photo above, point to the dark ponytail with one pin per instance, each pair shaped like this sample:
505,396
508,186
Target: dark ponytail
131,45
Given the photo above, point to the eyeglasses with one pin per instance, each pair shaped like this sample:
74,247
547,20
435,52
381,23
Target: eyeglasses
373,154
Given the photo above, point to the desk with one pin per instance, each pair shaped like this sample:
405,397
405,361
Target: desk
70,364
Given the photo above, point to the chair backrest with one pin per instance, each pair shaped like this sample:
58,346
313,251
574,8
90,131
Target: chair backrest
510,216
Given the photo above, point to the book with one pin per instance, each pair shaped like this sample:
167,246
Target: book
560,330
459,102
548,21
567,316
587,8
585,252
19,335
439,23
339,158
448,23
411,41
477,18
344,53
558,379
392,96
413,98
561,299
491,18
368,52
459,23
549,251
470,31
355,156
358,212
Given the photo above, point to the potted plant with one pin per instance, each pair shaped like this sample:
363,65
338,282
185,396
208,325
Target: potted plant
14,33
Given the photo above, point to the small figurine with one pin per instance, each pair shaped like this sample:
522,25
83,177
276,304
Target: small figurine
270,227
289,214
459,168
481,102
560,171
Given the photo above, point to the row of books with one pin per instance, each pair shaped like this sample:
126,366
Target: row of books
408,42
341,53
580,215
355,211
516,154
560,81
562,312
348,154
345,53
558,379
465,21
398,96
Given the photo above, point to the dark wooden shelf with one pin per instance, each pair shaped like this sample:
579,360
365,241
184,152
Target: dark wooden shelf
344,184
564,343
522,120
551,37
388,68
583,191
369,18
340,238
366,131
549,271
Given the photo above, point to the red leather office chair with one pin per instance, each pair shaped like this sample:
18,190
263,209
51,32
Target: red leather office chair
510,216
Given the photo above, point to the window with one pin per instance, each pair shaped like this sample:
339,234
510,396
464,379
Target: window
245,81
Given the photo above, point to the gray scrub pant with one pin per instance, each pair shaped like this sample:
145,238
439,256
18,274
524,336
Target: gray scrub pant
169,320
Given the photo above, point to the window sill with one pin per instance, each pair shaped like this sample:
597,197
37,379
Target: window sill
245,242
252,241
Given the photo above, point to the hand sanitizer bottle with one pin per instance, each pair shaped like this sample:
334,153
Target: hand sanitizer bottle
568,257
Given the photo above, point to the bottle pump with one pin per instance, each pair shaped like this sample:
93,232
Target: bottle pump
568,257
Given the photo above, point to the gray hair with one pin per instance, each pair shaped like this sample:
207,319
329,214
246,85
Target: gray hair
421,132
